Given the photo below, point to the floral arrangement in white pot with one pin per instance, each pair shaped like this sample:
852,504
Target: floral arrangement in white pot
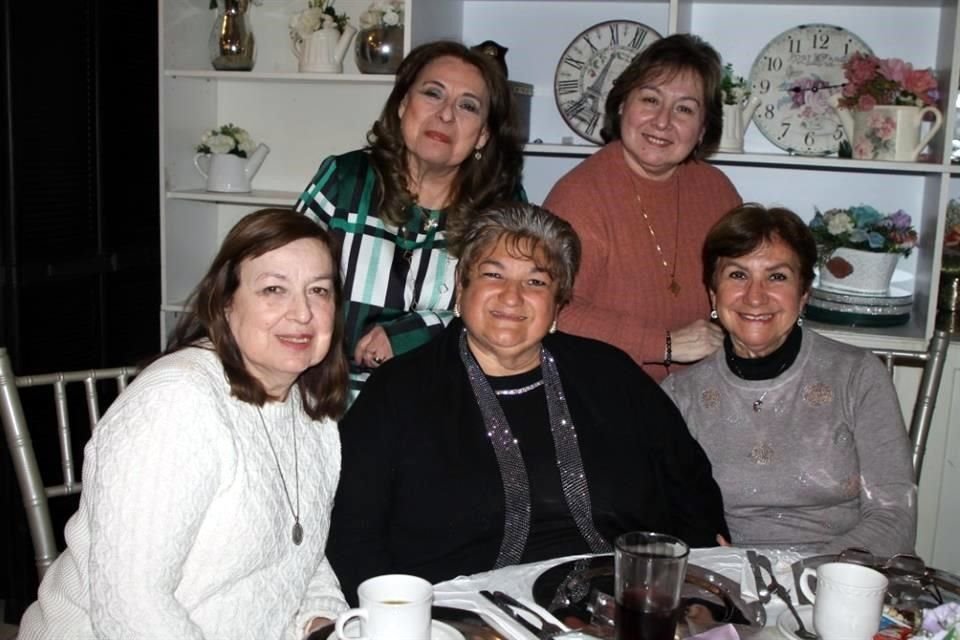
383,13
228,158
317,15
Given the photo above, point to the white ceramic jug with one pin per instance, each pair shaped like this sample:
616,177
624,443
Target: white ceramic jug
228,173
323,51
736,119
887,132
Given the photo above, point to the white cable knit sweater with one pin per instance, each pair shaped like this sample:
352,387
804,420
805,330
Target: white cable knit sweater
183,529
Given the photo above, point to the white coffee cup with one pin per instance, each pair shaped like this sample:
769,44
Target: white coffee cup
848,601
392,607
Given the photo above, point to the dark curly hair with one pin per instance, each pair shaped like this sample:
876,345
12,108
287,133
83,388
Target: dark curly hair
479,183
322,386
663,60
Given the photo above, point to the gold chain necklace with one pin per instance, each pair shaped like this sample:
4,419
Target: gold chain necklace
671,272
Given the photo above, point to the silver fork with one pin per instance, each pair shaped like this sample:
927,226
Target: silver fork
783,594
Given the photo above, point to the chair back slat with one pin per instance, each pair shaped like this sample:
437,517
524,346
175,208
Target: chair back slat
932,361
32,489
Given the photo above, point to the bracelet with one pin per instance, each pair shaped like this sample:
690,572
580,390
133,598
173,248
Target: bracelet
668,358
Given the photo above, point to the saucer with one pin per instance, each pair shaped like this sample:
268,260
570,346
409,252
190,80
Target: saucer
443,631
787,624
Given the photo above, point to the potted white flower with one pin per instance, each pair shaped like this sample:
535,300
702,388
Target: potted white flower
738,108
228,158
320,37
379,46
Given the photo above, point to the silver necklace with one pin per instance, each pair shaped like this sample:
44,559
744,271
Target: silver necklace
519,390
297,532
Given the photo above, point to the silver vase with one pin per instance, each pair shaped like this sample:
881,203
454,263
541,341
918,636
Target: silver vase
379,49
232,45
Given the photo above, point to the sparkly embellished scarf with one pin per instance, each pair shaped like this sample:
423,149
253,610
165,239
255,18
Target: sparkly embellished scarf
513,472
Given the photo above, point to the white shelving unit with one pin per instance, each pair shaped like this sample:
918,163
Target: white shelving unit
305,117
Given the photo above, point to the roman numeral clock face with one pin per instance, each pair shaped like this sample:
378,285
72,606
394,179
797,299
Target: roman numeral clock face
794,77
588,67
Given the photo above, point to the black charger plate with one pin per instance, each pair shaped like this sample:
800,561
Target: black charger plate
581,592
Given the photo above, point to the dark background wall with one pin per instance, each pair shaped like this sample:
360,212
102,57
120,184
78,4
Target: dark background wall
79,213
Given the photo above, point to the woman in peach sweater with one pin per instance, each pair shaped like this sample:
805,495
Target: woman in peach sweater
642,206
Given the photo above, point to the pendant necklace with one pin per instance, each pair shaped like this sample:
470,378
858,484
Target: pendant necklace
297,531
758,403
671,273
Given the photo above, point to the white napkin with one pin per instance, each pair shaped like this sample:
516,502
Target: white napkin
781,560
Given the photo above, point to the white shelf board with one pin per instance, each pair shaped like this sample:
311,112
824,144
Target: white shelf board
254,76
173,307
260,197
769,159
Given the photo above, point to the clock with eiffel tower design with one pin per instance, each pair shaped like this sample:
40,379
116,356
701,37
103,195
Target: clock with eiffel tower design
588,67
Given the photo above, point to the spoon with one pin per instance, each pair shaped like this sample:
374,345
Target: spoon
781,592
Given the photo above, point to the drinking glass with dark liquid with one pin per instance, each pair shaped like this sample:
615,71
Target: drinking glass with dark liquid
650,569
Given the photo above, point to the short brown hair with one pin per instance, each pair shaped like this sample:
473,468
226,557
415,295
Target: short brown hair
324,385
519,222
665,59
744,229
479,183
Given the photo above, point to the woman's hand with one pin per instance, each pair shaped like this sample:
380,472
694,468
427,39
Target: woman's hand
695,341
317,623
373,349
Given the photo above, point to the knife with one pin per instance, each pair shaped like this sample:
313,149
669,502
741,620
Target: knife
513,615
545,625
763,594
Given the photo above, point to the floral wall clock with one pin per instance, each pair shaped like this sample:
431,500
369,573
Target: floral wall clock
794,76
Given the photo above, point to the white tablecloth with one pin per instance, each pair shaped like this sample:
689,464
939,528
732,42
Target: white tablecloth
463,592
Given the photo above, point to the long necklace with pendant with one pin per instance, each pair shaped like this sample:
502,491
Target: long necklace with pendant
761,453
297,532
671,272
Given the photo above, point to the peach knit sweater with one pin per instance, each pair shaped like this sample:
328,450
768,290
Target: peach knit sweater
622,293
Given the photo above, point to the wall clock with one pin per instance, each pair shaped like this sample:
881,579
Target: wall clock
588,67
794,77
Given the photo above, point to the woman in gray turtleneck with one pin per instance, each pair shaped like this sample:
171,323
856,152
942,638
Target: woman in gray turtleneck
804,433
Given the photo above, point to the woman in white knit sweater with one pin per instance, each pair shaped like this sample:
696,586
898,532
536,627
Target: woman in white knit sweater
207,486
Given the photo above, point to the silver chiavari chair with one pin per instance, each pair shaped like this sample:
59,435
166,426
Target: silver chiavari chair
32,488
932,361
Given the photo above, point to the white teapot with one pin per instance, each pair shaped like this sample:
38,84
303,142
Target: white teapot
228,173
323,51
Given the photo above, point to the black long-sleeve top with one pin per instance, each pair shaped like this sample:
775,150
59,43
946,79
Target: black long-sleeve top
420,489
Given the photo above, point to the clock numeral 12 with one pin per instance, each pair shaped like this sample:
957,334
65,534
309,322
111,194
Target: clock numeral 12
614,34
821,40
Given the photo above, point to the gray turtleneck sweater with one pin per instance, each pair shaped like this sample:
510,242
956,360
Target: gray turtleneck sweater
824,462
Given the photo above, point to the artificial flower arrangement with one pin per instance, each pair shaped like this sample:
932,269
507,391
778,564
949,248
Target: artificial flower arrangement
872,81
734,88
862,228
317,15
229,139
382,13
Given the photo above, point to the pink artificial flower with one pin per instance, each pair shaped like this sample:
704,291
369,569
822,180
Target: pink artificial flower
919,82
861,68
866,102
895,69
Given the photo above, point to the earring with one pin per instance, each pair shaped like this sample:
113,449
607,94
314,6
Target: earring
477,155
456,309
713,314
553,327
799,321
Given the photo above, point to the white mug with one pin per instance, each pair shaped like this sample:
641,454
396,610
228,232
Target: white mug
848,601
392,607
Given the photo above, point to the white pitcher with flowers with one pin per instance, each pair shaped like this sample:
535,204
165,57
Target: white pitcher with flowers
319,37
228,159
